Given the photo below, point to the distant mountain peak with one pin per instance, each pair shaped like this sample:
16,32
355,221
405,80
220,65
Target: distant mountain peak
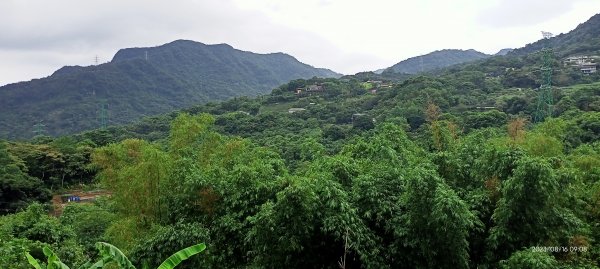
144,81
184,41
503,52
584,39
435,60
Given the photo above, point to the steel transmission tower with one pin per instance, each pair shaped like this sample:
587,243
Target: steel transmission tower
38,129
101,104
103,114
545,100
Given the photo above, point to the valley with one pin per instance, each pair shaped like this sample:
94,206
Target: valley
452,159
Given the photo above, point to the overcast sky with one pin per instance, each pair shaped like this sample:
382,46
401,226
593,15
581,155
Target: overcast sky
348,36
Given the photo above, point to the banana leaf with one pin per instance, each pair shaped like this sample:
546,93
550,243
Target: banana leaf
181,255
110,253
32,261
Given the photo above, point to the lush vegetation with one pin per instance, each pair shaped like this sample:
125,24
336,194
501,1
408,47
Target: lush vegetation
174,76
436,60
444,171
431,182
113,256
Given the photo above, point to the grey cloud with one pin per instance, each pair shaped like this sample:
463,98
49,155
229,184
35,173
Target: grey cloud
64,32
515,13
86,23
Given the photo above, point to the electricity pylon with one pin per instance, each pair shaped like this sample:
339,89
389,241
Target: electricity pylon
103,114
38,129
545,100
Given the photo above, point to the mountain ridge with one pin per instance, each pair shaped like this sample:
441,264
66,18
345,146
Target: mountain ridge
503,52
143,81
436,60
585,38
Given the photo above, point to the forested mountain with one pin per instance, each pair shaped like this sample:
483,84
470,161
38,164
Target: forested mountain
435,60
434,172
503,52
441,170
142,81
584,39
521,68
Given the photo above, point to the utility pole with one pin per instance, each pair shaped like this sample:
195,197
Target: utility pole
545,100
96,60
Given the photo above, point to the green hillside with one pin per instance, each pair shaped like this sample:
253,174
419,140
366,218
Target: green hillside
388,172
435,60
442,170
584,39
173,76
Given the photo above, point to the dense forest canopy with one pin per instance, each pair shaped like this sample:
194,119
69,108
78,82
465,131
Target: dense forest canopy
415,176
440,170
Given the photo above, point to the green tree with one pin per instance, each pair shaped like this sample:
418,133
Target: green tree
17,189
89,222
168,239
433,210
134,171
362,122
32,230
528,214
492,118
305,227
408,209
527,259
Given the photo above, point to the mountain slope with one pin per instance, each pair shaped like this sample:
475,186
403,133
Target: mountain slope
503,52
143,81
584,39
520,68
435,60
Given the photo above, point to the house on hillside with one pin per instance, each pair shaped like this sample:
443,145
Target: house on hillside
373,86
585,63
309,90
385,85
578,60
377,83
485,107
295,109
356,115
315,88
588,68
